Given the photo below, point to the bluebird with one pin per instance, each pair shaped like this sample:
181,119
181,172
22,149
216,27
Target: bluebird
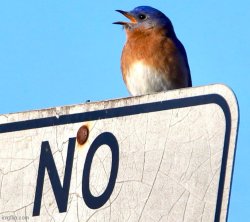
153,59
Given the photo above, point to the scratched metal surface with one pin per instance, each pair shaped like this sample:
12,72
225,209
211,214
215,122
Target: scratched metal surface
169,165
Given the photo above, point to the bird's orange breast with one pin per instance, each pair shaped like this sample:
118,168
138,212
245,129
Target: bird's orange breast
156,52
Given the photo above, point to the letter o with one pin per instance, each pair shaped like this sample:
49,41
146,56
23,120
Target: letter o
91,201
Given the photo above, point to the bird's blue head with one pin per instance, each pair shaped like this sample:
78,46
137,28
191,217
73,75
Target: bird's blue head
145,17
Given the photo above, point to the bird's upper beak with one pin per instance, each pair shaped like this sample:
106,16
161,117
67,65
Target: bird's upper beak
129,16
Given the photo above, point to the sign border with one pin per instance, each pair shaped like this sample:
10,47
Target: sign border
139,109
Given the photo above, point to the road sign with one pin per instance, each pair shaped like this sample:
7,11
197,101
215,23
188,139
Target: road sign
161,157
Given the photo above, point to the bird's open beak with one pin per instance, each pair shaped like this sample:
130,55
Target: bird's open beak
128,15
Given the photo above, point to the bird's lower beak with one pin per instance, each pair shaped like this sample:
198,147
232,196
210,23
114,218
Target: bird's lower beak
128,15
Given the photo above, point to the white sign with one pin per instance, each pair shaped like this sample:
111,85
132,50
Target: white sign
160,157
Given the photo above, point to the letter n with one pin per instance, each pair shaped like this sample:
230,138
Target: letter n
61,192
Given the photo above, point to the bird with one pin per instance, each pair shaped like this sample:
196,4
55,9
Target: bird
153,58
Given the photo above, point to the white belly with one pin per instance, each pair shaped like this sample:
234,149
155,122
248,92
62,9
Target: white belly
143,79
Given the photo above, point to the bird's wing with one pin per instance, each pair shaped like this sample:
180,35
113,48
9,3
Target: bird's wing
183,52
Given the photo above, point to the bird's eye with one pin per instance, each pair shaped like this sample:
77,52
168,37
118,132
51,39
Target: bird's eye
142,16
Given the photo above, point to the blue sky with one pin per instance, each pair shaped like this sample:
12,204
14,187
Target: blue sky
55,53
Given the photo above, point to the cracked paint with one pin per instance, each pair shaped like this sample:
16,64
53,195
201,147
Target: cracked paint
169,161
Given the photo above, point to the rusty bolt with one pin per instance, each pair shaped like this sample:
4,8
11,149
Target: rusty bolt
82,134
